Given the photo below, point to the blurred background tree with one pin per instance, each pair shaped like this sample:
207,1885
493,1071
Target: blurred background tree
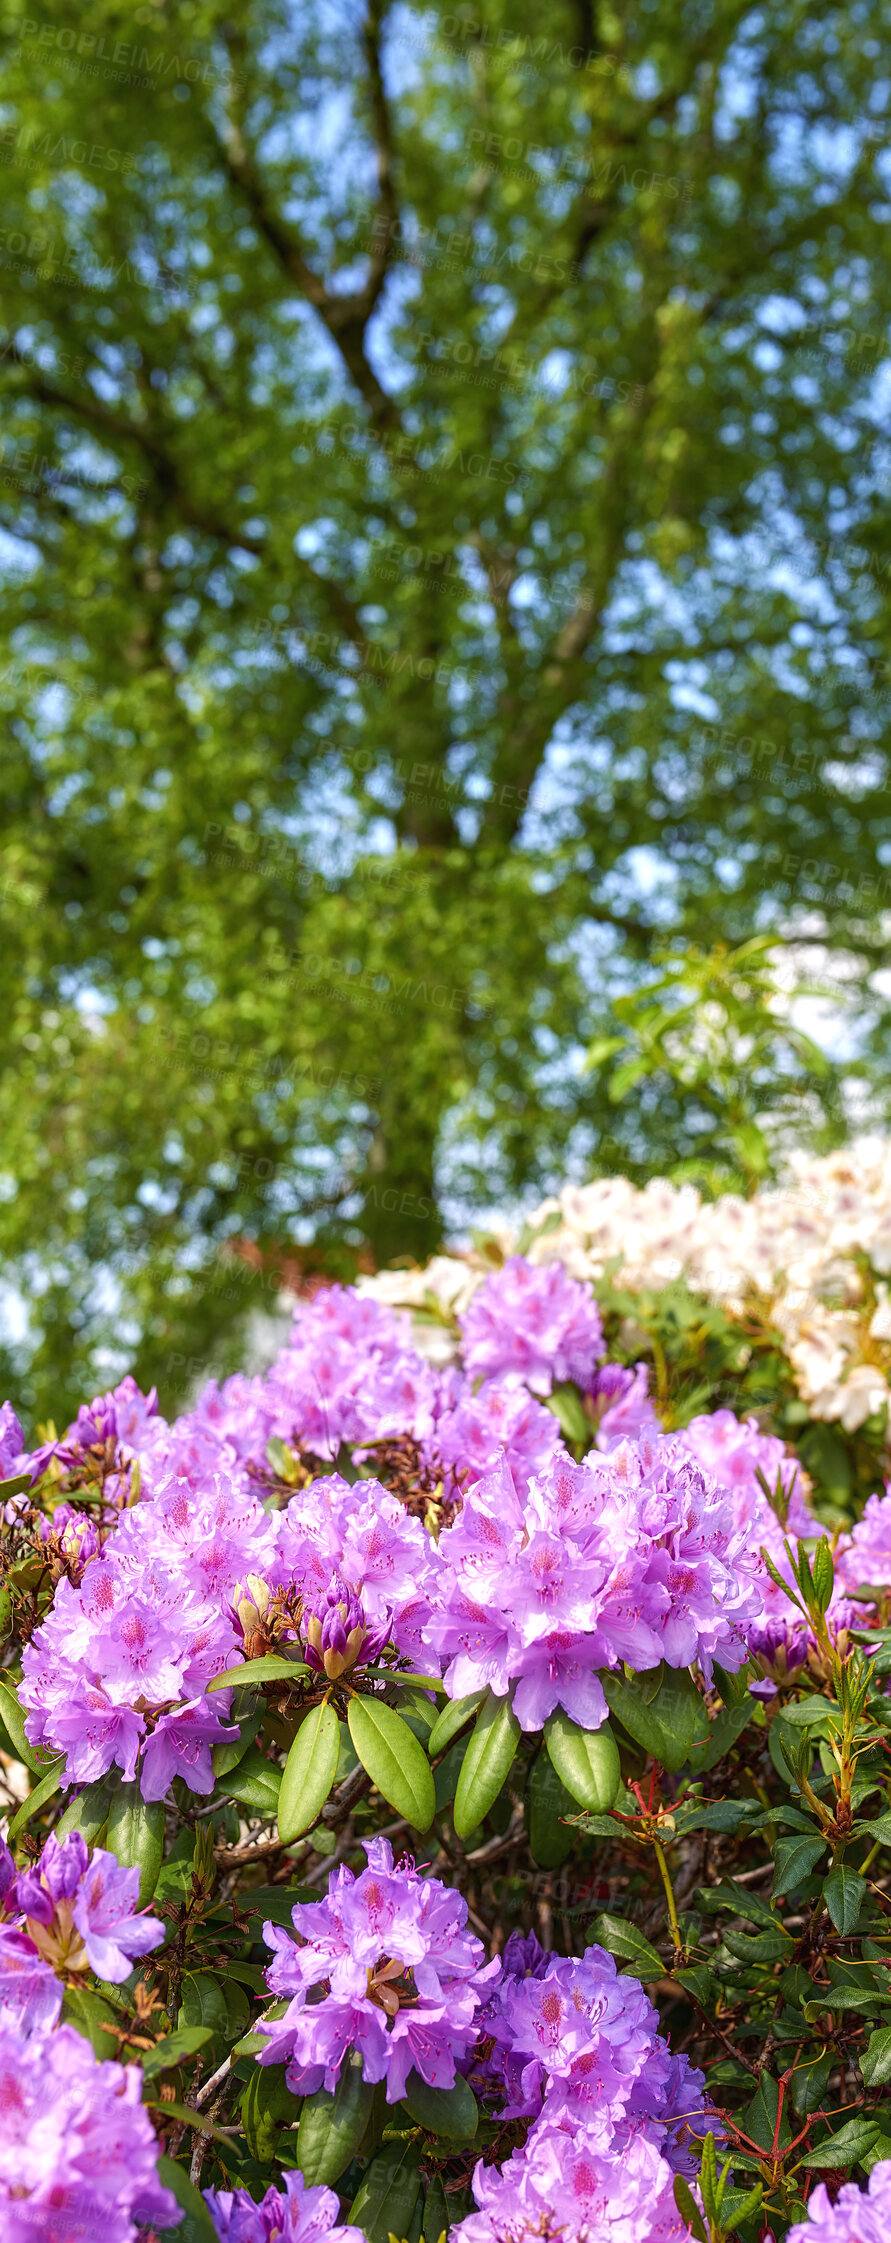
446,556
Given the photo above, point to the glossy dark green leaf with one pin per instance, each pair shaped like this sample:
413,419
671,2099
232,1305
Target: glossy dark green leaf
270,1668
844,2148
437,2215
267,2104
795,1858
689,2209
175,2049
255,1783
448,2111
332,2126
196,2225
135,1835
547,1800
386,2198
453,1717
628,1945
843,1892
586,1761
309,1773
394,1760
225,1757
88,1811
94,2017
13,1717
662,1711
487,1762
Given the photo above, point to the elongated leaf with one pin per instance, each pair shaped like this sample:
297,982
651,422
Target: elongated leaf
271,1668
310,1769
93,2017
727,1726
662,1711
586,1761
688,2208
135,1836
843,1893
875,2062
255,1783
332,2126
196,2225
628,1945
394,1760
487,1762
386,2199
13,1717
225,1757
454,1716
844,2148
437,2216
547,1799
44,1790
795,1858
448,2111
266,2103
174,2049
88,1811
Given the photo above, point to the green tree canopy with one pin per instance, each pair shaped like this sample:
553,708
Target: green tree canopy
446,567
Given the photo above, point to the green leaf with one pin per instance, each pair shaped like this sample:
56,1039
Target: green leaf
568,1409
223,2009
628,1945
331,2127
795,1858
809,2082
88,1811
448,2111
437,2217
727,1726
688,2208
586,1761
454,1716
44,1790
394,1760
739,2204
662,1711
135,1836
93,2016
175,2049
255,1783
310,1769
252,2042
875,2062
823,1574
386,2198
843,1893
253,1672
225,1757
761,2114
844,2148
550,1842
266,2103
196,2225
13,1717
487,1762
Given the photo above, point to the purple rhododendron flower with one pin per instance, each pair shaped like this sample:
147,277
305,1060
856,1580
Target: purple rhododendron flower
81,1909
532,1324
10,1440
78,2153
564,2187
401,1979
857,2216
865,1555
292,2214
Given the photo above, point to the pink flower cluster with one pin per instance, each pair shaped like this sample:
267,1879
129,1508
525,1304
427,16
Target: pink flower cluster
78,2152
385,1966
634,1556
550,1572
70,1911
291,2214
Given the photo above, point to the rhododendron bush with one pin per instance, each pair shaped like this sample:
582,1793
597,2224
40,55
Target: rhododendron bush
448,1787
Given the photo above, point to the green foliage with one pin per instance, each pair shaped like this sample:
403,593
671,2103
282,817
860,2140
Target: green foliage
445,632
